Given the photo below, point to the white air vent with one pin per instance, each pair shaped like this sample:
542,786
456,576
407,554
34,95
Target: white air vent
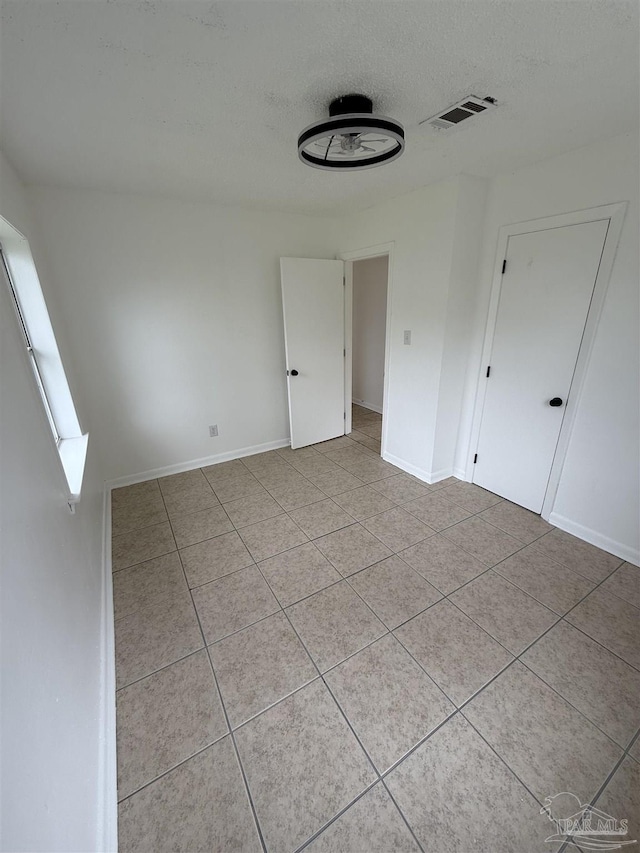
464,110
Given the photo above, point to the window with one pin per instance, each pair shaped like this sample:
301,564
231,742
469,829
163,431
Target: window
18,269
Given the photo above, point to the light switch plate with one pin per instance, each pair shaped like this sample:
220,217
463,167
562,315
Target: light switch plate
407,337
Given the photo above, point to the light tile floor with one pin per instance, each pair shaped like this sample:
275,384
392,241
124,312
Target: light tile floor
315,650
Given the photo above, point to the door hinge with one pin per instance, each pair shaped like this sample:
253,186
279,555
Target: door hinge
344,416
488,370
344,353
475,459
504,266
344,281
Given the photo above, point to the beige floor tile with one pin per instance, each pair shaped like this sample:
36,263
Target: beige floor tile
184,482
483,541
397,529
147,583
517,521
458,796
625,583
437,512
546,742
612,622
288,453
321,518
511,616
281,477
260,665
214,558
256,461
190,500
230,603
388,700
469,496
270,537
621,800
336,482
352,548
224,471
442,563
198,526
596,682
292,496
155,636
297,573
394,591
141,545
347,457
363,502
401,488
319,464
202,805
356,435
313,766
551,583
442,484
372,824
166,718
459,656
334,623
249,510
133,507
634,750
372,430
373,469
340,443
241,486
583,558
135,494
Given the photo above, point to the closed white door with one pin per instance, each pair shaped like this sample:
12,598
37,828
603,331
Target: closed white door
544,299
313,307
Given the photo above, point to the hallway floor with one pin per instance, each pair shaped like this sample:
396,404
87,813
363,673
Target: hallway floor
314,649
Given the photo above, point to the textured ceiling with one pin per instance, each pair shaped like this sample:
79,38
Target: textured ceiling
204,100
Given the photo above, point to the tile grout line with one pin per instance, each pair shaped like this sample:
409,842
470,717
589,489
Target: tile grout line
350,726
226,716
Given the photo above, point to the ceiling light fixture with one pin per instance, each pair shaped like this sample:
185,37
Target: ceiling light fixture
353,138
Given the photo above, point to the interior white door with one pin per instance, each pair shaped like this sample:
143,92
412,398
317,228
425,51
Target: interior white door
313,307
544,300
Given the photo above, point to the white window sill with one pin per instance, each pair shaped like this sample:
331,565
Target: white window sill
73,455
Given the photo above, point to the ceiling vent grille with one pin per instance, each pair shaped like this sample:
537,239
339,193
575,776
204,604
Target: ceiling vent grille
465,109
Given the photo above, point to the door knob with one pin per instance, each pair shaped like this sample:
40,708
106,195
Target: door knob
556,401
293,372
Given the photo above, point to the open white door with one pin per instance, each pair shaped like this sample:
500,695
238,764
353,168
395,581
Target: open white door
546,290
313,308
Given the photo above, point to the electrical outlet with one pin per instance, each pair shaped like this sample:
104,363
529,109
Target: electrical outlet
407,337
213,430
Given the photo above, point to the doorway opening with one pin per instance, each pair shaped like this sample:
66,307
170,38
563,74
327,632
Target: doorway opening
368,297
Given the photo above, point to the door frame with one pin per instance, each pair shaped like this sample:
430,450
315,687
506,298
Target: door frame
615,213
377,251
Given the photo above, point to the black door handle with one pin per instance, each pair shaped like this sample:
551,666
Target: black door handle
557,401
293,372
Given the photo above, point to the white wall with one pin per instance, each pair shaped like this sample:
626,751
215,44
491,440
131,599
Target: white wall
598,497
421,227
369,329
177,320
51,723
460,315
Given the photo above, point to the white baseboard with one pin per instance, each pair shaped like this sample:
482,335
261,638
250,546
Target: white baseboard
181,467
107,830
625,552
429,477
370,406
460,474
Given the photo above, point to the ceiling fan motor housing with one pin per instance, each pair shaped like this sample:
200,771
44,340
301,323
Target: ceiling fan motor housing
344,143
